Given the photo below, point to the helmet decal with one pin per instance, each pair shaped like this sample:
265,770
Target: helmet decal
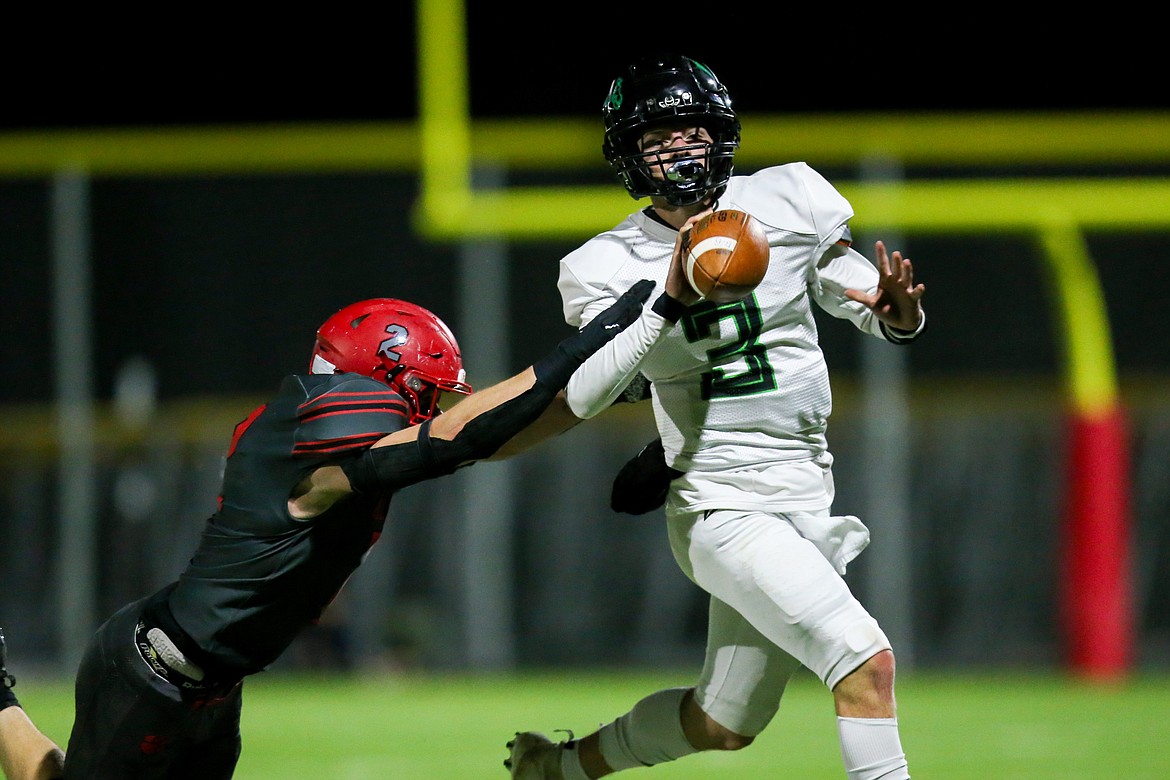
615,94
675,101
399,336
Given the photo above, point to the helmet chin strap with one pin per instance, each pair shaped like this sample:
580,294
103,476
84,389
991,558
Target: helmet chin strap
688,197
691,197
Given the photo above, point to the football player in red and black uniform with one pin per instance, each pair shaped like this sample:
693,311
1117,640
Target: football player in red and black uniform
307,483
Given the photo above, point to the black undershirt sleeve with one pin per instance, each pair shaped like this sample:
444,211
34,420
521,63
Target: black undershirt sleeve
386,469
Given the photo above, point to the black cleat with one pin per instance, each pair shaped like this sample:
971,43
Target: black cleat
534,756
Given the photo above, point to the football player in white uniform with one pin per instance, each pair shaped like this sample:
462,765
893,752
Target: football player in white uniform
741,398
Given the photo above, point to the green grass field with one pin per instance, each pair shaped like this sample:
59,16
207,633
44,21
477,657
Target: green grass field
955,726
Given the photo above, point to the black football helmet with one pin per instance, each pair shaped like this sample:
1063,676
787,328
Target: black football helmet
660,90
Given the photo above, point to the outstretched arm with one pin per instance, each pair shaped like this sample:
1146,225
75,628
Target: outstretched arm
553,421
896,300
604,376
474,429
544,380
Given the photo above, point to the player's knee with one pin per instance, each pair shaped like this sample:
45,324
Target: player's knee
868,691
881,669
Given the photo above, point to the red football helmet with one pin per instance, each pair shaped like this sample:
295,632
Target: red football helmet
395,342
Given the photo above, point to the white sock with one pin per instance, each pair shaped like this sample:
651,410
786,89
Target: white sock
649,734
872,749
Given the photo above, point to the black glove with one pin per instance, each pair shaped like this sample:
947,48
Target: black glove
642,483
556,367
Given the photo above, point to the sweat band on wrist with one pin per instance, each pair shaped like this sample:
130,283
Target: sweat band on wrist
668,308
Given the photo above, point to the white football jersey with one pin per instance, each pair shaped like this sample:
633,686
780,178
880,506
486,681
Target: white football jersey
740,390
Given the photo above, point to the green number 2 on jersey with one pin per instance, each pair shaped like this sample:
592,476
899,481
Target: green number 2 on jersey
702,322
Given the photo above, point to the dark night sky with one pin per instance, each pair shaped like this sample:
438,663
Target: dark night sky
369,73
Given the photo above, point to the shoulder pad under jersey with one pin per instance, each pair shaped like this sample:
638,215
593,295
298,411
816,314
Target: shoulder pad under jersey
793,198
345,413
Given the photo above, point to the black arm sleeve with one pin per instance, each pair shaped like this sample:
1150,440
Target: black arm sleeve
386,469
382,469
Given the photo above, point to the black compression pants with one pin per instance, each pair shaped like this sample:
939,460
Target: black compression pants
130,722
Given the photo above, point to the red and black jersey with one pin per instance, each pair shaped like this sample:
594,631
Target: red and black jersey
260,576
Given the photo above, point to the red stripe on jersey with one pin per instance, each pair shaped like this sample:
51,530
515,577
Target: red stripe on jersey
243,426
358,418
399,410
359,441
372,399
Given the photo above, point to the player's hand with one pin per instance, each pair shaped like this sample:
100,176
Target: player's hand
556,367
896,300
643,482
677,286
621,313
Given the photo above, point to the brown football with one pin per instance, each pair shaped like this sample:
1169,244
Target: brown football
726,255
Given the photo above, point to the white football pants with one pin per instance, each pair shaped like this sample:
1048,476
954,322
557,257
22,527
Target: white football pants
776,603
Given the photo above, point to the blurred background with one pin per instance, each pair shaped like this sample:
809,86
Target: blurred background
169,243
